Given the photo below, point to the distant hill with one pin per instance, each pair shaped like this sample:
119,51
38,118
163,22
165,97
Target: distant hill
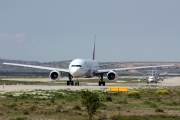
65,64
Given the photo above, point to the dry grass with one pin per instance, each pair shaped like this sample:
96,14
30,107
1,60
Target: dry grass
66,105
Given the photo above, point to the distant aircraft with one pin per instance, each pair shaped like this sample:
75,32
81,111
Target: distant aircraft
84,68
151,79
154,78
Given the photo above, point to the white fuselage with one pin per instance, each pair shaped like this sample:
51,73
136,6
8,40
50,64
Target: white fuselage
83,67
151,79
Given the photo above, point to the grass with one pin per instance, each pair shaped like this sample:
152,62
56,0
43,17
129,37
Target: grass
66,105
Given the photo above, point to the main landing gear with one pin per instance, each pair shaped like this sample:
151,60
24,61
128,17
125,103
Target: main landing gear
70,82
76,83
101,82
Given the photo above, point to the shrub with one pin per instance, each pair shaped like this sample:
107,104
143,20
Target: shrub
33,108
134,94
21,118
52,100
150,104
159,110
58,108
162,92
13,105
26,112
36,102
102,105
48,104
172,103
76,107
109,99
122,102
91,101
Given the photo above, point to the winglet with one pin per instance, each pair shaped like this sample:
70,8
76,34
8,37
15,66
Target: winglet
94,47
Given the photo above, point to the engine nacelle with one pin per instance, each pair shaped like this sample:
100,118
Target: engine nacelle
54,75
112,75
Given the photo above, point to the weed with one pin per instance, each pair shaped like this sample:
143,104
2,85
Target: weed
158,99
36,102
102,105
52,100
173,103
26,112
33,108
21,118
102,118
109,99
76,107
122,102
12,105
134,94
159,110
162,92
58,108
150,104
48,104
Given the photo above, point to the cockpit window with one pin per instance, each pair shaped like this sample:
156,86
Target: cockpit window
76,66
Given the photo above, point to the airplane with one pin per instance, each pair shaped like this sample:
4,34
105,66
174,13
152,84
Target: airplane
151,79
154,79
82,68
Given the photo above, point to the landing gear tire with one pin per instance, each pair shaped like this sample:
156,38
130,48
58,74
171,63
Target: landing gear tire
77,83
70,83
101,83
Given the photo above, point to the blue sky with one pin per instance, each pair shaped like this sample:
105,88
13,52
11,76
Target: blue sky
55,30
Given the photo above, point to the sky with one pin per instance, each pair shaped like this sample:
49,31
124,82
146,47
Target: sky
57,30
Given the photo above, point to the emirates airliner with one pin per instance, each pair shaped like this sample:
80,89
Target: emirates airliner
84,68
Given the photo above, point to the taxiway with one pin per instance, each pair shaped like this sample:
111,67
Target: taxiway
172,81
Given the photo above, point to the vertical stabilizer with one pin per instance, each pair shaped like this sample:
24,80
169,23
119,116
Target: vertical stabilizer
152,73
94,49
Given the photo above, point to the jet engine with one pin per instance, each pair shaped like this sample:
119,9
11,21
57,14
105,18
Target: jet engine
112,75
54,75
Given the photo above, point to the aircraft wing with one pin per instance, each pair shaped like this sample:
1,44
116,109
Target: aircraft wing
130,68
39,67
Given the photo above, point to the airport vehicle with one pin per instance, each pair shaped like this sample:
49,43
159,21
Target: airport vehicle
84,68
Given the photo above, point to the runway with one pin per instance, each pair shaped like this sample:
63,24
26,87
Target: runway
173,81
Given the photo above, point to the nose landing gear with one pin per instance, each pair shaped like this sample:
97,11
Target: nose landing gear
70,82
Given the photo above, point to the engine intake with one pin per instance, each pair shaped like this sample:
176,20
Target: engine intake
112,76
54,75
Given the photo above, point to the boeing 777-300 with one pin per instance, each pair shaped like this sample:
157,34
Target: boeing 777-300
84,68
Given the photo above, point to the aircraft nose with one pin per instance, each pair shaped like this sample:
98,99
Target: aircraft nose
75,72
